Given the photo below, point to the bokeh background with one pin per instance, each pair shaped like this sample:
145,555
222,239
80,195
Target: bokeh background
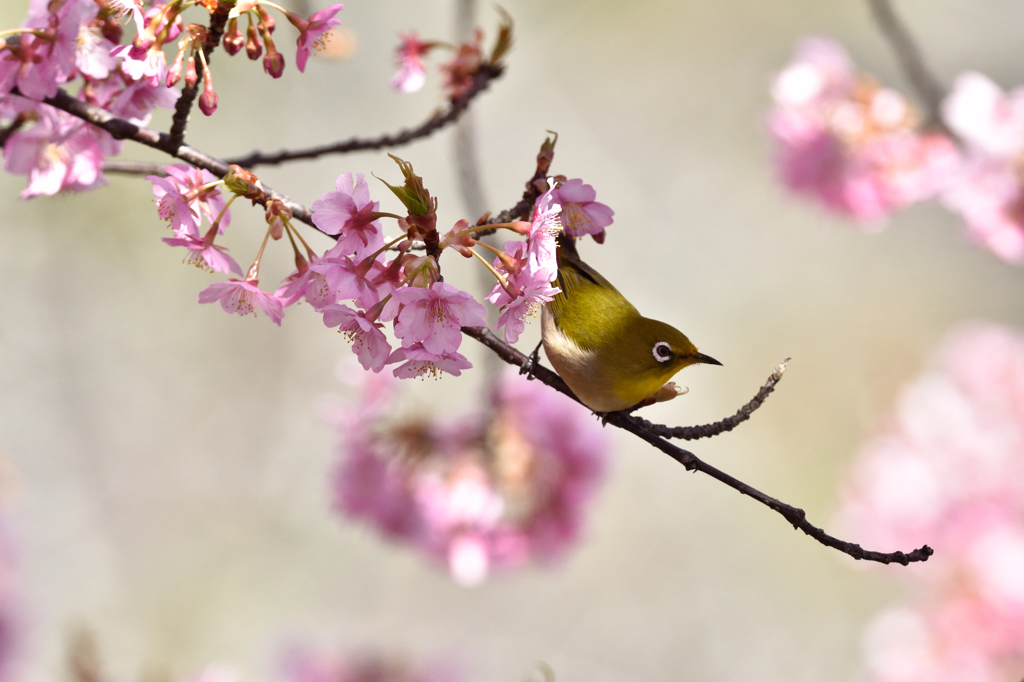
165,467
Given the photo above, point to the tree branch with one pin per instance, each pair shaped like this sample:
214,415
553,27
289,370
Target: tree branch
218,21
727,424
481,81
11,128
122,129
797,517
910,59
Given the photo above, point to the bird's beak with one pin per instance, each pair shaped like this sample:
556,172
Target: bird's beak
704,359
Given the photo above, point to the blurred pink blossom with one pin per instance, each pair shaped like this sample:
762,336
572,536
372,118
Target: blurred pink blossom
486,490
58,153
849,144
302,664
948,470
989,193
412,74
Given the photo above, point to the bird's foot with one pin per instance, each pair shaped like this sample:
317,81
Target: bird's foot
531,362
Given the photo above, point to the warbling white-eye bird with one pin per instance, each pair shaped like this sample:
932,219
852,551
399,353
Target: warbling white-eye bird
610,355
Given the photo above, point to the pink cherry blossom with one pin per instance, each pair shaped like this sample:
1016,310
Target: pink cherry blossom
581,214
312,32
435,316
242,297
545,226
58,153
309,284
203,253
412,74
368,341
988,192
530,281
850,145
142,64
173,206
480,492
347,212
946,470
417,361
348,279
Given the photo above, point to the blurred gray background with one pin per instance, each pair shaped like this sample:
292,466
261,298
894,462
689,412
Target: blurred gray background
167,479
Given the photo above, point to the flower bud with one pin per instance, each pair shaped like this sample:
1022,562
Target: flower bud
243,183
174,73
253,46
191,77
208,100
234,41
265,18
273,63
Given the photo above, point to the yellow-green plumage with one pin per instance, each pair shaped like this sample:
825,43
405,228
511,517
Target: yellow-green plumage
602,346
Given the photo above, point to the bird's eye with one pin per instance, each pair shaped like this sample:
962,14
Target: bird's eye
662,351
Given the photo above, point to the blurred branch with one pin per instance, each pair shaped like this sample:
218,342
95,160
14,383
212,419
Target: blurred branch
727,424
481,81
909,56
624,421
133,168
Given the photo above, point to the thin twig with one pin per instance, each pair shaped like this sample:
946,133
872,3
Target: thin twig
483,78
797,517
727,424
133,168
182,108
121,129
923,81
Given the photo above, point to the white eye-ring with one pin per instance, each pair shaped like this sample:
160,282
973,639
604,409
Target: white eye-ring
662,352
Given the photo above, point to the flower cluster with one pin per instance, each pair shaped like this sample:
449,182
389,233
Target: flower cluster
68,42
859,149
361,283
854,146
949,470
458,72
477,491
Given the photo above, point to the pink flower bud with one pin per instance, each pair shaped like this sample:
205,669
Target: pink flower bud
273,63
191,77
266,19
253,46
234,41
208,100
174,73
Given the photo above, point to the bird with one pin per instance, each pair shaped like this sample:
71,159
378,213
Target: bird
612,357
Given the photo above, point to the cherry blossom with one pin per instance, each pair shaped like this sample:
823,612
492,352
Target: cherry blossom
368,341
417,361
947,470
581,214
412,73
347,212
435,316
302,664
988,192
849,144
480,492
58,153
203,253
312,32
242,297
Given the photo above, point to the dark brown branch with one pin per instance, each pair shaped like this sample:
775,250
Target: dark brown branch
797,517
11,128
727,424
218,21
909,56
121,129
481,81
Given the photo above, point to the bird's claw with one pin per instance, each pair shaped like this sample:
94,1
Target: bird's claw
530,362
